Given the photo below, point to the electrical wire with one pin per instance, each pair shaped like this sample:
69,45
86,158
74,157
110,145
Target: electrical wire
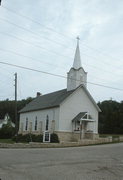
32,32
57,75
5,20
34,21
66,36
27,42
37,46
34,59
28,57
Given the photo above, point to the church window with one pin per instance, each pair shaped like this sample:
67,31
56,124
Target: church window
26,127
36,123
47,122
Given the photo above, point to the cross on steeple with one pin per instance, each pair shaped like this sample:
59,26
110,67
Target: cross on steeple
78,38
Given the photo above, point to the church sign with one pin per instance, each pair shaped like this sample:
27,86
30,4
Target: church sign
46,136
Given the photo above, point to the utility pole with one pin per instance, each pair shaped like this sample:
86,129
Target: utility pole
16,124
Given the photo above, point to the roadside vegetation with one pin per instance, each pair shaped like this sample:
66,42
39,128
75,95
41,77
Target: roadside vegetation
111,117
8,141
8,135
34,138
110,121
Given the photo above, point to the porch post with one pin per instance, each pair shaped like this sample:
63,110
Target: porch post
83,131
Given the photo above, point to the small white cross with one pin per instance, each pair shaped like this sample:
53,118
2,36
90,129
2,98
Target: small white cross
78,38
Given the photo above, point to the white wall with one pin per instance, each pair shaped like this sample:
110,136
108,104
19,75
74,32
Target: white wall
41,117
74,104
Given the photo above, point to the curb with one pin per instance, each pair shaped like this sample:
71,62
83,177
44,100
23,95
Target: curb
59,145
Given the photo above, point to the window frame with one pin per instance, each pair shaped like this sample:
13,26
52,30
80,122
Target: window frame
26,126
36,124
47,123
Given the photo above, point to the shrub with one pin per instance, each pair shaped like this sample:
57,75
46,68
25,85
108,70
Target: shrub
34,138
28,138
54,138
7,131
37,138
22,138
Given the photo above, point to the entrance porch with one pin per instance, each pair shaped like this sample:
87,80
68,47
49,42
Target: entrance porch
82,126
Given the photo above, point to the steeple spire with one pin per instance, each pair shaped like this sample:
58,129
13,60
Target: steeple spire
76,76
77,59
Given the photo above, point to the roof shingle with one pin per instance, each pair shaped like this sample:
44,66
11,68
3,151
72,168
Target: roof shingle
50,100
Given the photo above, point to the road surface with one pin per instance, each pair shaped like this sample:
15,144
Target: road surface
102,162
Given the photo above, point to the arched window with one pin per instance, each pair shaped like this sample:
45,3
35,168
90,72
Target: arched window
47,122
26,127
36,123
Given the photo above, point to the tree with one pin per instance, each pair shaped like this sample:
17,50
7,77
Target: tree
7,131
111,117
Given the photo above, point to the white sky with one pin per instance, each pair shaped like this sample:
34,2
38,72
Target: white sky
49,45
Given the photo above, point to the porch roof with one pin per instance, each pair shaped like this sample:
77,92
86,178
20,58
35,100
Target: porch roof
83,116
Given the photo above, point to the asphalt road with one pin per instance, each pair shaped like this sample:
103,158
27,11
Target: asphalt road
102,162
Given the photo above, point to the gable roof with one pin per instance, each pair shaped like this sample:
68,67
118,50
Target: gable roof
82,116
54,99
46,101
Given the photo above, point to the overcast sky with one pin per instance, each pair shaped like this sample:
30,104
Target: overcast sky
42,35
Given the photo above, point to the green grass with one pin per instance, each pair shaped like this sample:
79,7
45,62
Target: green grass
9,141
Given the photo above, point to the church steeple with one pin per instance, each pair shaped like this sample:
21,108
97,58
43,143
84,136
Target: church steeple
76,76
77,59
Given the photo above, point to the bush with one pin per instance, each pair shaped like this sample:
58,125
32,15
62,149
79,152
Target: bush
7,131
22,138
28,138
37,138
34,138
54,138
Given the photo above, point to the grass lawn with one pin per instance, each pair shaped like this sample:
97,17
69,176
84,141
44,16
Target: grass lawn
6,141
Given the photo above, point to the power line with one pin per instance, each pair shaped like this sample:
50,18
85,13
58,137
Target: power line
66,36
25,56
28,57
100,51
27,42
32,32
34,59
37,46
5,20
42,47
38,35
51,41
68,57
57,75
34,21
105,62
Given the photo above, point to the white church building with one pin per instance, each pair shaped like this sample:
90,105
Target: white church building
71,113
